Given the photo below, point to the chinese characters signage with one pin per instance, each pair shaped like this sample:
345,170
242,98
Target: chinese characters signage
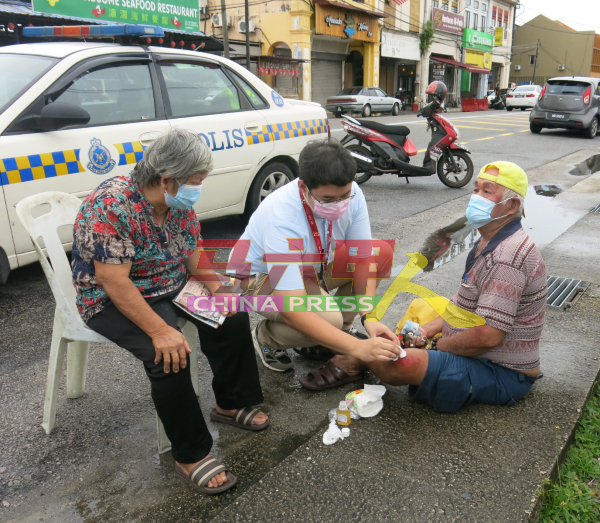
181,14
437,71
448,22
353,25
274,67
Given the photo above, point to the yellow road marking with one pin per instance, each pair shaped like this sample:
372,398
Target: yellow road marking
484,128
495,123
507,134
488,138
422,151
524,131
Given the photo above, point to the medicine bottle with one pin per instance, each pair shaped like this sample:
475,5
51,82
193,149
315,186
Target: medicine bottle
342,415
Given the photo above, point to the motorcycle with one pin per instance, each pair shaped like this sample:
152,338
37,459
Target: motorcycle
385,149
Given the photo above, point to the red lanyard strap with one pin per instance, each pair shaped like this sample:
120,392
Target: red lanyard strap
315,232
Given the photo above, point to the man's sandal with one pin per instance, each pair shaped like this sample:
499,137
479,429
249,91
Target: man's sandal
202,473
328,377
241,418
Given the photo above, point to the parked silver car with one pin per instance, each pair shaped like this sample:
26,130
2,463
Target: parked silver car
364,100
570,102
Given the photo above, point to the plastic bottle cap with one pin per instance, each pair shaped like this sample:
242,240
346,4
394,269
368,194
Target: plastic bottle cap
343,405
345,432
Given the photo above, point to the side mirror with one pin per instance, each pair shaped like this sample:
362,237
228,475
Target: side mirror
54,116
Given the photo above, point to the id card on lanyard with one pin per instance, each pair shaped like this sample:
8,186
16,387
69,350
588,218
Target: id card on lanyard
315,232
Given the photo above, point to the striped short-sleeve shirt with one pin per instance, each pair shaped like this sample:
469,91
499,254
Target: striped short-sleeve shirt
507,286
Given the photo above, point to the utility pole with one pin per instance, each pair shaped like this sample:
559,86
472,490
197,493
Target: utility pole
225,30
537,48
247,35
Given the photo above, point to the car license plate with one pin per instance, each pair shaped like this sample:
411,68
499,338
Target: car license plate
519,96
558,116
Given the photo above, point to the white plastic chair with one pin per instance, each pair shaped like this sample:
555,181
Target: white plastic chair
69,331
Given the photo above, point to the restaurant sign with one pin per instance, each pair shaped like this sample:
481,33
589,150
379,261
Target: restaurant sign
170,14
353,25
448,22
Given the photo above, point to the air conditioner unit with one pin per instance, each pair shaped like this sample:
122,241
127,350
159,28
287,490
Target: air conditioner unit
561,67
242,26
517,67
217,20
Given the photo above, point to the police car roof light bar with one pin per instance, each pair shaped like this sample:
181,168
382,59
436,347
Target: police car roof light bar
97,31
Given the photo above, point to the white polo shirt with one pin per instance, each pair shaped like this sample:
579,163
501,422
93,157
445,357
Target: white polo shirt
281,216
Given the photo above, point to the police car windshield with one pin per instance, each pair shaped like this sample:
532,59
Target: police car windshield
19,71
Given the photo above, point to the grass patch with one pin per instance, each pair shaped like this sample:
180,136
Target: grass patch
576,495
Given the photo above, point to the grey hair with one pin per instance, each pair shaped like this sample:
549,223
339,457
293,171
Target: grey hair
509,193
178,153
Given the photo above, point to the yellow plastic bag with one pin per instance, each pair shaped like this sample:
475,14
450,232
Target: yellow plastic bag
421,312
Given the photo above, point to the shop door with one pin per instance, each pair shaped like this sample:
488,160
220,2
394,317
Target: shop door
326,79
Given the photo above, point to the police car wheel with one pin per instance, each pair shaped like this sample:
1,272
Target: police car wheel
268,180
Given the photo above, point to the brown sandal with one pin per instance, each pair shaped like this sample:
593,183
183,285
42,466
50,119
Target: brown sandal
327,377
241,418
202,473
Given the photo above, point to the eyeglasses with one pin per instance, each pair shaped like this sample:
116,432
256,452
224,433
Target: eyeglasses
351,197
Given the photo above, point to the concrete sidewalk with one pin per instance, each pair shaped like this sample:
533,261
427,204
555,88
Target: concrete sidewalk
483,464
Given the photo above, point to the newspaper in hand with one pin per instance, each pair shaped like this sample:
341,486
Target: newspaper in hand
196,289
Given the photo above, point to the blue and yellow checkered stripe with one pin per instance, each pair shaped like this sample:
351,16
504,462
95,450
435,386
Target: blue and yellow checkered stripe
283,131
39,166
129,152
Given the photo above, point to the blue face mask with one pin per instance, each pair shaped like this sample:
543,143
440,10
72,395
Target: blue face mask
186,197
479,211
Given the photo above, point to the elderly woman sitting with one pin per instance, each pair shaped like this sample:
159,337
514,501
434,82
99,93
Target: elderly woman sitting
135,243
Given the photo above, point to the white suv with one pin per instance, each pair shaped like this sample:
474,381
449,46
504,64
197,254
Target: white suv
73,114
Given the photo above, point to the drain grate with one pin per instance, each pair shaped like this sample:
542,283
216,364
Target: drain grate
563,293
596,209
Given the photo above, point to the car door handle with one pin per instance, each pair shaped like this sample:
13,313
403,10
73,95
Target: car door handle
253,127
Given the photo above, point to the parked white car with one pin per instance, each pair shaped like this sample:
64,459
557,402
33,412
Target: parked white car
73,114
523,97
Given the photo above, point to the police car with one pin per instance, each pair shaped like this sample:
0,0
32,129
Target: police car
73,114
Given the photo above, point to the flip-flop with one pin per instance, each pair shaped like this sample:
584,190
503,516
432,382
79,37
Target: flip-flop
241,418
327,377
202,473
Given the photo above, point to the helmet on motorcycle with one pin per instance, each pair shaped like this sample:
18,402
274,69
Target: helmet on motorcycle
437,91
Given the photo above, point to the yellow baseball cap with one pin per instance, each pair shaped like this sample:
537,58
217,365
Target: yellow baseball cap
510,175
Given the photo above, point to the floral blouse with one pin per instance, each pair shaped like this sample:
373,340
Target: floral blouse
115,225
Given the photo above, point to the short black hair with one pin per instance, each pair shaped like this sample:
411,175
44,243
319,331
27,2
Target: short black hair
326,162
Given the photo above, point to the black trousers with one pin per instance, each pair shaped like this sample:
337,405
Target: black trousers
229,351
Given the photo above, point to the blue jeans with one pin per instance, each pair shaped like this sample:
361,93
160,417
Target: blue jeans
453,381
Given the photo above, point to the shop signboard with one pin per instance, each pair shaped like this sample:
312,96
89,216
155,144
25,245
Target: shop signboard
478,40
448,22
353,25
403,46
437,71
478,58
498,36
170,14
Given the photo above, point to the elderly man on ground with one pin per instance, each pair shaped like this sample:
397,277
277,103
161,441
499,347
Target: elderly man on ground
504,282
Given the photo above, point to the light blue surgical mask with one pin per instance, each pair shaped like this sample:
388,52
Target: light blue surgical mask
187,195
479,211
